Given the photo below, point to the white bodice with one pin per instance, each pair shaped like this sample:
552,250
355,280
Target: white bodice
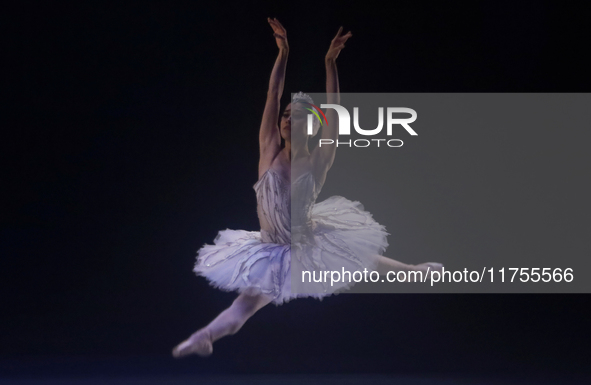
275,197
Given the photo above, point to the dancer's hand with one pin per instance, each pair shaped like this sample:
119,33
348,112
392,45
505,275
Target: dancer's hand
337,44
279,33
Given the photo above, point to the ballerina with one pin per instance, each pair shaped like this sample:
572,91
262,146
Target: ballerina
328,235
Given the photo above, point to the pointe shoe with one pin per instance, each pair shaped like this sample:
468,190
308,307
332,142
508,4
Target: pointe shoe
199,343
428,267
432,266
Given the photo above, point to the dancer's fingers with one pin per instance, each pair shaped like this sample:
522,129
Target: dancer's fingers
279,23
344,38
272,24
277,27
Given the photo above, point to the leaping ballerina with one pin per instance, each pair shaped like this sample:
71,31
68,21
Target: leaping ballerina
295,231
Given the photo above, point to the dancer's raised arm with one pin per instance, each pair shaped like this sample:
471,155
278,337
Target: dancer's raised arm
269,135
323,156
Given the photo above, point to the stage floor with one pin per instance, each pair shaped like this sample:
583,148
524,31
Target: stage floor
281,380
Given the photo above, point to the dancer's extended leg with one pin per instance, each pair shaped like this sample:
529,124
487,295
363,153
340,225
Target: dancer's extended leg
386,265
226,323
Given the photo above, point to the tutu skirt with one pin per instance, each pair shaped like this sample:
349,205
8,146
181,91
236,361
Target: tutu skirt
342,236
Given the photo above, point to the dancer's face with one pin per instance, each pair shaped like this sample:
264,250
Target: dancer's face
293,122
285,126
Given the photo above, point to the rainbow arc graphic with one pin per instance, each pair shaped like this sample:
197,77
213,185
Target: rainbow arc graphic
316,113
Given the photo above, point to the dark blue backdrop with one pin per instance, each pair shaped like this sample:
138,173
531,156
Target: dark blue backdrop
130,138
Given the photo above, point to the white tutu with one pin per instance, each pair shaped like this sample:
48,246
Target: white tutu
337,234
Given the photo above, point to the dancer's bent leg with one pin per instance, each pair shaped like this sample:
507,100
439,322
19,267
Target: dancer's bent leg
228,322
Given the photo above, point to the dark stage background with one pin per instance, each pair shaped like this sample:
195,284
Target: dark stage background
130,139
